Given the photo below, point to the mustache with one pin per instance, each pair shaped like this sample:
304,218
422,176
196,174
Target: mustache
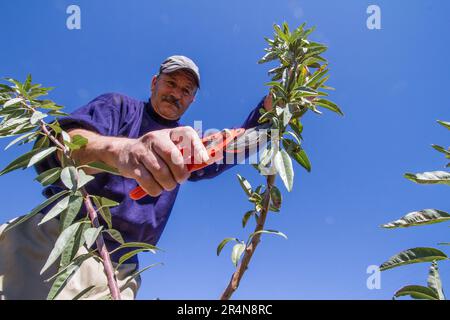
172,100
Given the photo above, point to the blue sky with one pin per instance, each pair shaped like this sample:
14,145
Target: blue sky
391,84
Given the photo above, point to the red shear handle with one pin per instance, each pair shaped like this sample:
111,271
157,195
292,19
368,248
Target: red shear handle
214,144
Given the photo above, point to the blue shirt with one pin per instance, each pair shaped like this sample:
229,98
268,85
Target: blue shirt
114,114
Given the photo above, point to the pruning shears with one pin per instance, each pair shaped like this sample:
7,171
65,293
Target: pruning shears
225,141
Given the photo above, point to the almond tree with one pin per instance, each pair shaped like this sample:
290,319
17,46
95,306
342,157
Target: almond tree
297,86
22,114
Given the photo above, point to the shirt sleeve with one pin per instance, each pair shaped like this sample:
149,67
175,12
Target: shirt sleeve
215,169
102,115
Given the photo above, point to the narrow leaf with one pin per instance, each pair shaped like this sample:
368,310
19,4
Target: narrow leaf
83,293
60,244
40,156
283,164
102,167
223,243
236,253
245,185
56,210
35,210
49,176
418,218
275,232
69,177
417,292
115,235
444,124
415,255
90,235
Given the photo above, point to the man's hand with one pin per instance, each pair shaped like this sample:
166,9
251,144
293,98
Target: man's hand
153,160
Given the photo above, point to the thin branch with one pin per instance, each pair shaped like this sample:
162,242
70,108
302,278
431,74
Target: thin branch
103,252
250,250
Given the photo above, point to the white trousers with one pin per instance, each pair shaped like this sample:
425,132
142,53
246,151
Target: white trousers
24,250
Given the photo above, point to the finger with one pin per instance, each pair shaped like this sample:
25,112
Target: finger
197,149
159,170
146,181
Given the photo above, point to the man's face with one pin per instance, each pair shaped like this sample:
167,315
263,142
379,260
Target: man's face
172,93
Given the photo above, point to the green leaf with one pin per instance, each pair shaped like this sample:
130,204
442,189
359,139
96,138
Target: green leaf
66,137
275,196
90,235
435,177
102,205
275,232
57,113
80,141
83,179
141,245
287,115
329,105
296,152
35,210
65,274
41,155
20,162
102,167
105,202
283,164
115,235
236,253
297,127
41,143
444,124
12,102
137,273
73,246
297,139
307,90
414,255
245,185
131,254
247,215
223,243
56,210
63,239
69,215
417,292
316,77
69,177
83,293
418,218
26,135
441,149
49,176
27,83
55,127
37,115
434,281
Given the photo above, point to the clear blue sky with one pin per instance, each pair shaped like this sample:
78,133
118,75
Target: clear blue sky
391,84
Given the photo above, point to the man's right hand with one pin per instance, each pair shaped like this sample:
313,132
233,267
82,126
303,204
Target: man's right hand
153,160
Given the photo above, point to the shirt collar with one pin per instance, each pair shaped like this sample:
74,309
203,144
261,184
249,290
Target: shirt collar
155,116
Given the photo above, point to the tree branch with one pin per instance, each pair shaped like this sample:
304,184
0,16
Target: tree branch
103,252
250,250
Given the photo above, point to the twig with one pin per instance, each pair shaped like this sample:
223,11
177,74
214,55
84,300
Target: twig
103,252
250,250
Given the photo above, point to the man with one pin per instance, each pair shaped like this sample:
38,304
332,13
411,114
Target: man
142,140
